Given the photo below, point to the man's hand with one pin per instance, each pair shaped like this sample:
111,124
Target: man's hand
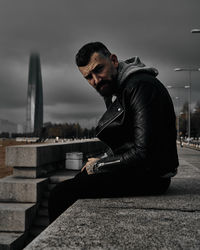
89,165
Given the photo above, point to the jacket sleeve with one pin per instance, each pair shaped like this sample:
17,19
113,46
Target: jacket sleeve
143,105
140,105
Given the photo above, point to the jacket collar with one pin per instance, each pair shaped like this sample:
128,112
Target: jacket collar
113,111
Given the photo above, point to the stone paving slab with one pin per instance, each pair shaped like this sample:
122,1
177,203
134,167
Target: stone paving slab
192,156
187,170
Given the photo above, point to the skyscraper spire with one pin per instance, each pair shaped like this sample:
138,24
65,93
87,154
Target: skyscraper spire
34,114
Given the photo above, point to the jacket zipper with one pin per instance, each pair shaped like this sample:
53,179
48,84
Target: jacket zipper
106,124
108,163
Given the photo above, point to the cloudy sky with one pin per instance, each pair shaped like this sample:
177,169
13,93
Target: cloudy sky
158,31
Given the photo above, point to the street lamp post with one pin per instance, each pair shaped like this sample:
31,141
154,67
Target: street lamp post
178,126
189,94
178,108
195,31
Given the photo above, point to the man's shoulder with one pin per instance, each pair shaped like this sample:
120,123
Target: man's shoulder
139,79
141,76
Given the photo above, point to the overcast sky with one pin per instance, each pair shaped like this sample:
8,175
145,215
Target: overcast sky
157,31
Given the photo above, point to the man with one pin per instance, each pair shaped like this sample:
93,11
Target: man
138,127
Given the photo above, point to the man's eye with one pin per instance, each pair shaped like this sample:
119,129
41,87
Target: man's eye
88,77
98,69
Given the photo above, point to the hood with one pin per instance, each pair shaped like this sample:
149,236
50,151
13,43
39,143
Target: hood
128,67
131,66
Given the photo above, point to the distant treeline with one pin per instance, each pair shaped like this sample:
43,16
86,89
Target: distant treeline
49,130
66,130
74,130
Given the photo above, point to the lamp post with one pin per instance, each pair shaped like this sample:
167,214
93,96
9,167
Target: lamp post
195,31
178,132
178,108
189,70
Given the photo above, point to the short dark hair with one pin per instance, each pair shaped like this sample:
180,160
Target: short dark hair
84,54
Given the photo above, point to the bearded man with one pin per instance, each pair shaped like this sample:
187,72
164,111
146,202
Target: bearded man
138,127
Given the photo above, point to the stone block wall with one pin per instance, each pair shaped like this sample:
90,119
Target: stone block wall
23,196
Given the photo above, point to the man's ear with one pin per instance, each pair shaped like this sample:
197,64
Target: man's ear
114,60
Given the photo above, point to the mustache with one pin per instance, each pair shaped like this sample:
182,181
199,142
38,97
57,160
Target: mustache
101,83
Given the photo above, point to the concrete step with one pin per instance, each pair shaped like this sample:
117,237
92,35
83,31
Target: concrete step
14,189
16,217
43,212
41,221
12,241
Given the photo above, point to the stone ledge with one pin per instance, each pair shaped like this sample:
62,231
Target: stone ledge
42,154
169,221
99,224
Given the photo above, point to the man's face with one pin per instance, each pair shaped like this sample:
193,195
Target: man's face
101,73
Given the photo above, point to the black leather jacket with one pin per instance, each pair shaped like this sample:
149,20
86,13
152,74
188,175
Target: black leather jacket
140,128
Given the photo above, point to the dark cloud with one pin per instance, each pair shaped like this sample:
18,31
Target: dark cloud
157,31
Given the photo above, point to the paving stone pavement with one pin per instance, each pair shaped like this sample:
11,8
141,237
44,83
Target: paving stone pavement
170,221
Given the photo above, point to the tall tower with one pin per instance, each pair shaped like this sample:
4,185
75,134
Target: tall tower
34,114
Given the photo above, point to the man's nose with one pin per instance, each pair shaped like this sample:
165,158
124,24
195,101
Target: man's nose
96,78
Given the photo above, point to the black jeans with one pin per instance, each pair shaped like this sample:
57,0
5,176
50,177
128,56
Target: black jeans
102,185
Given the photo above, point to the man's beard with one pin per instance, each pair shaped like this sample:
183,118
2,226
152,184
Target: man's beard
106,87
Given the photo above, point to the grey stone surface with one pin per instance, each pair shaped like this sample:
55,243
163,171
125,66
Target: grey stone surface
42,154
108,227
12,241
191,156
16,217
187,170
21,156
22,190
169,221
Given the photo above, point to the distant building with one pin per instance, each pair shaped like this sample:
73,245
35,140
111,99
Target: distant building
7,126
34,114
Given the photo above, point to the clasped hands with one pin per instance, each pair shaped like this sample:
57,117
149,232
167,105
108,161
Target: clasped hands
89,165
